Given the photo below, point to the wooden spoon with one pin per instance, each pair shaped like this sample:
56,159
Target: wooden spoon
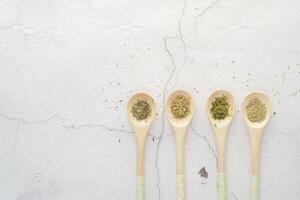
179,127
255,130
140,128
220,128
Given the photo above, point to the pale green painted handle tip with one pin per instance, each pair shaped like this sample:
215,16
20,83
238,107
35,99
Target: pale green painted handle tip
222,186
140,182
180,187
254,188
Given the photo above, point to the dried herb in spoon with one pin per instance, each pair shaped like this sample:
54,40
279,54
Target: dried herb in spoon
141,110
256,110
220,108
180,107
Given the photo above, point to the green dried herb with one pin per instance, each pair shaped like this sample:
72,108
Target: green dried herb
141,110
180,107
203,173
256,110
220,108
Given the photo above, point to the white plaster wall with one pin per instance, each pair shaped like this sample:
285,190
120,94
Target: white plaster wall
67,68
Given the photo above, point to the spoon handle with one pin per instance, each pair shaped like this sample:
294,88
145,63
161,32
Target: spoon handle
140,180
180,171
180,141
255,138
140,163
254,179
221,137
254,173
222,182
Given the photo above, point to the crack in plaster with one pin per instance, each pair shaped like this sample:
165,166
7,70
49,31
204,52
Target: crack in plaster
174,73
27,31
196,18
63,120
28,122
212,150
180,30
163,110
13,148
180,27
233,195
16,139
69,127
53,117
204,138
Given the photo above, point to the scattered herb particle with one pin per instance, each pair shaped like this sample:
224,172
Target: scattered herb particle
203,173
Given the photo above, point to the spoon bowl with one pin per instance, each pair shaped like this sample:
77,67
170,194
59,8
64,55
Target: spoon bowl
265,100
146,97
179,122
212,97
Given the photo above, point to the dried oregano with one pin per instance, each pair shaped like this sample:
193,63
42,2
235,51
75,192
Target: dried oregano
141,110
220,108
180,107
256,110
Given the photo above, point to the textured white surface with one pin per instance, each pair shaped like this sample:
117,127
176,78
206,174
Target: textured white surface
67,68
